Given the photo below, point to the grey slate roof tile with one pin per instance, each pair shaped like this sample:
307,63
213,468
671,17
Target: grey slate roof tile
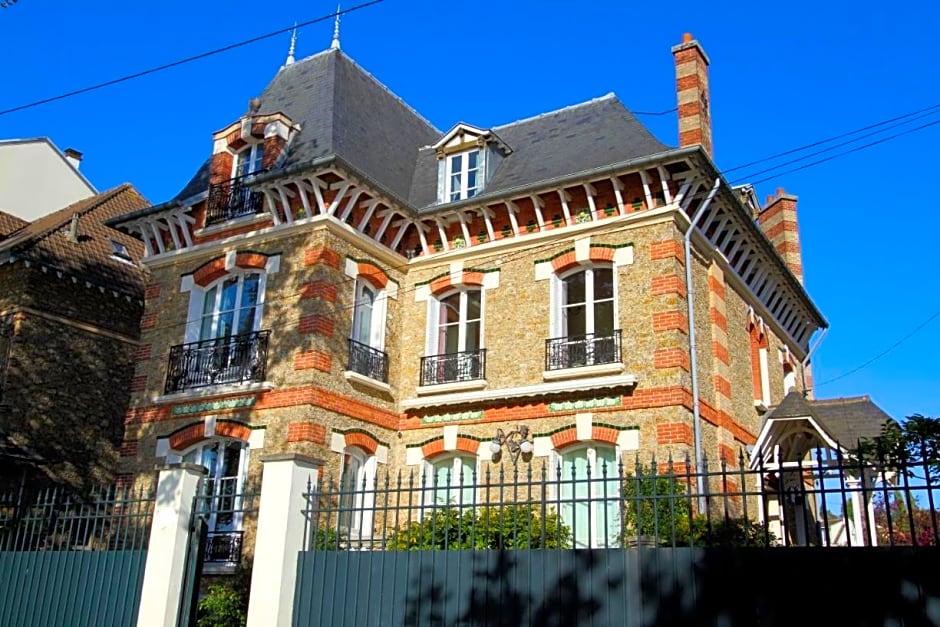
846,420
344,111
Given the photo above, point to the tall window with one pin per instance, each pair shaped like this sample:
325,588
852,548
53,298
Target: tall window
458,323
249,160
357,493
587,302
226,463
584,321
589,495
232,307
450,481
464,178
367,315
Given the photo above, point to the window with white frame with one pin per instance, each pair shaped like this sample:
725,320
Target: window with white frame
226,463
232,306
248,160
455,338
450,481
357,489
588,490
464,176
584,319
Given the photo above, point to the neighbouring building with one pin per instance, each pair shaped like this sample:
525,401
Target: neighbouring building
71,297
342,279
36,178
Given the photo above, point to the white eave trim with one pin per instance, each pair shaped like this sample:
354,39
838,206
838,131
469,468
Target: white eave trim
541,389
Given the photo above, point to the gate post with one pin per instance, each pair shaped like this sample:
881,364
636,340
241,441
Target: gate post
279,538
169,539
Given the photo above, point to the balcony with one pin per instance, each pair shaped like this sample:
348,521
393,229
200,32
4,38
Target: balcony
223,547
578,351
232,199
367,361
227,360
453,367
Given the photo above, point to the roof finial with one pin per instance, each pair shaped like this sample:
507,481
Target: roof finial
335,44
293,44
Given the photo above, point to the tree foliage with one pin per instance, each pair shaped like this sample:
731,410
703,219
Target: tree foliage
912,447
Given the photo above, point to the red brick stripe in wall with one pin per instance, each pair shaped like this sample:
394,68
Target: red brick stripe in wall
230,429
139,384
306,360
716,287
316,323
674,433
373,274
148,321
722,386
306,431
718,319
251,260
323,290
187,437
670,321
129,448
325,256
363,440
721,353
143,352
728,454
667,249
152,291
668,284
671,358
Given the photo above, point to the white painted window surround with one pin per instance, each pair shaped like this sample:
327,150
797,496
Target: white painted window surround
358,488
591,509
455,322
248,160
231,305
369,311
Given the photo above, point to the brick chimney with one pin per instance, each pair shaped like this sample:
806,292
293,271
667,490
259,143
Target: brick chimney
778,221
695,122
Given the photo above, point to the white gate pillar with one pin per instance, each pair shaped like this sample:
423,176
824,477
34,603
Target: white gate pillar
279,538
169,540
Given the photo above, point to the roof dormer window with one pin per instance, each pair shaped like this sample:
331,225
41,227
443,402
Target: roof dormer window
467,158
464,178
249,160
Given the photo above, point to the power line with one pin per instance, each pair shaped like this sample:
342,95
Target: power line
820,142
673,110
179,62
884,352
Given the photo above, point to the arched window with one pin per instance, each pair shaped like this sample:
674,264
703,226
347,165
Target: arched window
588,489
226,463
584,320
232,306
455,338
450,481
357,493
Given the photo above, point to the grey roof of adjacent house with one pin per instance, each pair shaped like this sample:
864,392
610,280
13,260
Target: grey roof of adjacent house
343,111
845,420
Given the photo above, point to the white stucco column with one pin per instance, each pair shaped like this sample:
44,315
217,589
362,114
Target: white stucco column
279,538
169,539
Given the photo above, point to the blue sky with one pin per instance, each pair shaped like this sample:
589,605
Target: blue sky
782,75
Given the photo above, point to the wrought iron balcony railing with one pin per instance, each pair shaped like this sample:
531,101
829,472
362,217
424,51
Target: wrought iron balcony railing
575,351
367,361
232,199
453,367
223,547
235,359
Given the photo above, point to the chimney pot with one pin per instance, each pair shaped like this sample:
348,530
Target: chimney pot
770,199
73,228
73,156
686,38
780,192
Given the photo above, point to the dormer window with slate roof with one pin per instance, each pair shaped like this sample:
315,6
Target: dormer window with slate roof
467,158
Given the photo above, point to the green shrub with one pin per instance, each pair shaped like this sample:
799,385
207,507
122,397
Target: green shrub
226,603
510,527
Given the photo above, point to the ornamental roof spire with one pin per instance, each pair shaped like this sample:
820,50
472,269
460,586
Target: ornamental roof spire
293,44
335,43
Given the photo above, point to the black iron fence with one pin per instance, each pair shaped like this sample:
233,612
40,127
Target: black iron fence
232,199
453,367
54,519
367,361
234,359
575,351
580,501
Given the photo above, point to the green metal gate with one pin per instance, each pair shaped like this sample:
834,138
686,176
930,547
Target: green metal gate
71,561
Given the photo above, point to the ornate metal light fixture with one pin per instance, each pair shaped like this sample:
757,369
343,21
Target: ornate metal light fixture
516,441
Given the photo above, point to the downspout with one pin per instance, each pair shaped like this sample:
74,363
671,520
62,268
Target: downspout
693,360
805,362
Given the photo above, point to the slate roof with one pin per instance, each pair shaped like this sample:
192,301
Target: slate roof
47,241
344,111
846,420
574,139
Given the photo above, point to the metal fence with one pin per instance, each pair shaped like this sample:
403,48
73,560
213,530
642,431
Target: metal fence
75,560
55,519
825,499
